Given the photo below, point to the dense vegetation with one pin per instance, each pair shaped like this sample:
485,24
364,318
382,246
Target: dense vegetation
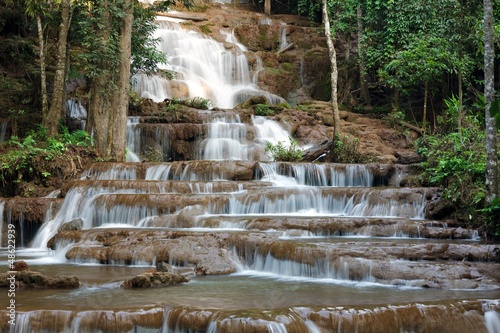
417,62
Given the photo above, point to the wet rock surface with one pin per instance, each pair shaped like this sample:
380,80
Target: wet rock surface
154,280
22,277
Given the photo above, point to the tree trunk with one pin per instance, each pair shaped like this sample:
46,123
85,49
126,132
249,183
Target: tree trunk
56,110
43,76
424,117
122,97
267,7
395,100
364,92
101,94
108,104
489,95
334,73
460,111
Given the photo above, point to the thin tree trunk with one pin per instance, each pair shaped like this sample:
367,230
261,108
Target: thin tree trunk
489,94
364,92
122,101
57,106
395,100
43,76
460,110
424,117
334,69
267,7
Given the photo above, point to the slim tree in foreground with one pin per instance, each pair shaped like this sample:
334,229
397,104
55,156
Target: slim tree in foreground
489,95
334,70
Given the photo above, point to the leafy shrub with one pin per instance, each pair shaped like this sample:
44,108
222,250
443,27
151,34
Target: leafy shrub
457,163
263,110
492,217
198,103
345,149
28,159
280,152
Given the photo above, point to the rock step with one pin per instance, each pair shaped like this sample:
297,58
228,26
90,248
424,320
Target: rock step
332,226
159,186
380,202
440,264
466,316
239,170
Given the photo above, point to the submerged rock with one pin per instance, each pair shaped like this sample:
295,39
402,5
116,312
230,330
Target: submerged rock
154,279
31,279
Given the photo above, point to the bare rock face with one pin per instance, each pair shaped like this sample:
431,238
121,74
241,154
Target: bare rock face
203,253
154,279
75,224
162,266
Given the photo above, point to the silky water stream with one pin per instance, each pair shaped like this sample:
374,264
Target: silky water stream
270,247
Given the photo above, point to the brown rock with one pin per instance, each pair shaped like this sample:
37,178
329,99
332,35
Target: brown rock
154,279
30,279
20,266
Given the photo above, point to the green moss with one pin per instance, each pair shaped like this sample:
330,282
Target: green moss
287,66
206,28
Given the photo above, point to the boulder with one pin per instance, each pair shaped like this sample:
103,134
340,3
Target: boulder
31,279
76,224
154,279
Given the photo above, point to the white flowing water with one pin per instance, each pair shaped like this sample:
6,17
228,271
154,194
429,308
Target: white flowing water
84,203
76,112
492,320
334,175
203,67
133,139
225,141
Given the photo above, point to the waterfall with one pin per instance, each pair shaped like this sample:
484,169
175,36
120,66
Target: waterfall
76,113
269,130
225,141
203,68
133,140
83,202
492,320
283,41
338,269
333,175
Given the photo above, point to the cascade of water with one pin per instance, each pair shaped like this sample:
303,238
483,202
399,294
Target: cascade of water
76,112
133,139
348,175
203,67
231,38
83,203
314,202
283,41
338,269
225,141
269,130
118,171
492,319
